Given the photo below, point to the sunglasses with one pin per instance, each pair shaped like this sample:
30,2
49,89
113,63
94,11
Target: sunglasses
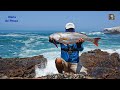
70,30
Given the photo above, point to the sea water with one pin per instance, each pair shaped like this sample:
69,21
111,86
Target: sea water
33,43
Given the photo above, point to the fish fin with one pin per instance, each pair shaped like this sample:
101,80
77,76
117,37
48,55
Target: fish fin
96,41
55,44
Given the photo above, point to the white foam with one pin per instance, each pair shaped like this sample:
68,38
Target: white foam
107,50
44,37
13,35
26,52
112,50
37,36
29,53
50,67
39,43
118,51
34,40
95,33
30,40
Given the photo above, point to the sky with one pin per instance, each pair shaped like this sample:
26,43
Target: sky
56,20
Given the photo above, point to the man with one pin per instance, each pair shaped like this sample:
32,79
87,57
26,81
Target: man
69,61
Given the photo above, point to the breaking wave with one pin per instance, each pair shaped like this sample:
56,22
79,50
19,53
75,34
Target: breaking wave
95,33
11,35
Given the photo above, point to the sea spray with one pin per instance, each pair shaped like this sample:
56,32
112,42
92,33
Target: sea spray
50,67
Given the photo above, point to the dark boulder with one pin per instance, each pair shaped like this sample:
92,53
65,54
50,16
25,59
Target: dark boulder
21,67
101,64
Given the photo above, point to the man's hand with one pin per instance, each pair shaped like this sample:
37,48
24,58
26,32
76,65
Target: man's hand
51,40
80,40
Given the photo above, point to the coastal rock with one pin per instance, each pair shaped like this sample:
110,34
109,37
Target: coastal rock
113,30
101,64
20,67
65,76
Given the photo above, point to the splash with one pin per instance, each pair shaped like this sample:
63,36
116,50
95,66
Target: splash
50,67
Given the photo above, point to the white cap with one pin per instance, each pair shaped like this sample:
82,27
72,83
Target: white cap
69,25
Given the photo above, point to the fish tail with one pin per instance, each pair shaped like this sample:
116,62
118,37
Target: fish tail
96,41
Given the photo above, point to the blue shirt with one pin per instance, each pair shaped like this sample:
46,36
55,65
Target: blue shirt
73,56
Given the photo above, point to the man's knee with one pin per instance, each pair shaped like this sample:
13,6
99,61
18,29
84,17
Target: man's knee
59,65
58,61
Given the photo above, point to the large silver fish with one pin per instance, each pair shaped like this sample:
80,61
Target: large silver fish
71,38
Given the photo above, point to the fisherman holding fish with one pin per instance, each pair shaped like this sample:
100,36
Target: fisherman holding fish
70,43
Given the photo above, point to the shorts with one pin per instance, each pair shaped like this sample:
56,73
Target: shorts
73,67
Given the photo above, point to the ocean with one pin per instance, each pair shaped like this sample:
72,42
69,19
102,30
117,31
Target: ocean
33,43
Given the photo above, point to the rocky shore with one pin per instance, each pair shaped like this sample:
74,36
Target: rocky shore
20,67
100,65
66,76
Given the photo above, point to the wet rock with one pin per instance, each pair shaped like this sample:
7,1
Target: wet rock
101,64
65,76
21,67
2,76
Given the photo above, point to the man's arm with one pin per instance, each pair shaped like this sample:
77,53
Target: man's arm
80,46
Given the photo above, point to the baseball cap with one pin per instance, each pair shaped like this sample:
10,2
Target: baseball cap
69,25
